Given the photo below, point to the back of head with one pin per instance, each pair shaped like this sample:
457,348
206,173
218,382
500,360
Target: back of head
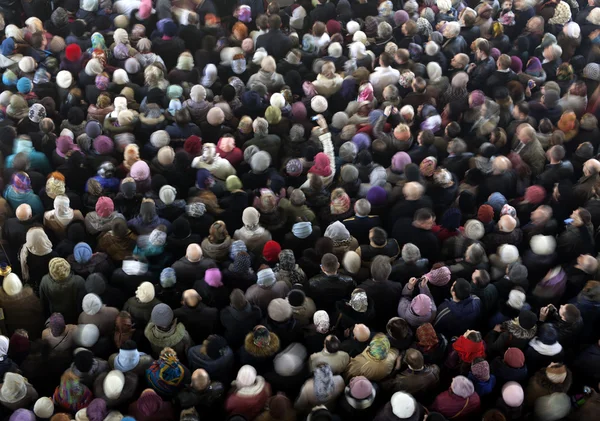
381,268
462,289
332,344
329,263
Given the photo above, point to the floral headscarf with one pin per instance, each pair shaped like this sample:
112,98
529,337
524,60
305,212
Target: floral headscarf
340,202
98,42
323,383
427,339
21,182
379,347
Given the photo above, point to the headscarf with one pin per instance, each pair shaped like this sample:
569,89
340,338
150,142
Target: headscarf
468,350
62,212
131,155
427,339
340,202
323,383
321,166
64,145
36,243
209,76
21,182
321,321
379,347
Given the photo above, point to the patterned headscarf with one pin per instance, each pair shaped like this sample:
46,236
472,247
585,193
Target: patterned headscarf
426,337
340,202
323,383
21,182
379,347
359,301
261,336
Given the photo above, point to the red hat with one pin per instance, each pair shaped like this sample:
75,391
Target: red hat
271,251
73,52
514,357
193,145
333,27
485,214
535,194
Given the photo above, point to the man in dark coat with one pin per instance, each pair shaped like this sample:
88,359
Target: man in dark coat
199,319
418,232
460,313
501,76
275,42
329,287
485,66
556,170
382,291
361,223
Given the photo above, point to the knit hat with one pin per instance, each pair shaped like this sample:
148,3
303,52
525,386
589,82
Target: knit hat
91,304
527,319
462,387
246,376
82,252
59,269
302,229
296,297
73,52
24,85
22,414
162,315
215,116
439,277
279,310
113,384
273,114
145,292
400,160
56,323
516,299
86,335
96,410
360,387
403,405
592,71
349,173
421,305
481,370
535,194
12,285
250,216
236,247
271,251
265,277
514,357
44,407
485,213
556,373
260,161
339,120
543,245
474,229
318,104
512,394
508,253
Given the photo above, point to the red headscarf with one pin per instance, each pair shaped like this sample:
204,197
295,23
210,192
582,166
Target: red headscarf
321,166
468,350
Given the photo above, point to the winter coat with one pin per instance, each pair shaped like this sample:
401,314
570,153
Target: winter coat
22,311
221,369
140,312
259,358
417,383
453,318
504,373
199,321
273,81
406,312
540,385
126,395
248,401
188,272
337,361
307,399
164,413
104,319
238,324
25,402
374,370
255,240
453,406
326,290
542,355
176,337
386,414
62,297
262,296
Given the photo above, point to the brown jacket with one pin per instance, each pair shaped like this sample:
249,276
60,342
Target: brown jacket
365,365
22,311
540,385
117,248
104,319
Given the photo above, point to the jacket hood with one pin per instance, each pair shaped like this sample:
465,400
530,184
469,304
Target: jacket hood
267,351
163,338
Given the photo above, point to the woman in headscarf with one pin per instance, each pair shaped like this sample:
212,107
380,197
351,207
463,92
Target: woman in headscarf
376,362
343,241
65,145
19,192
147,220
71,394
340,207
323,389
102,107
62,215
431,344
102,218
328,82
267,75
35,255
216,245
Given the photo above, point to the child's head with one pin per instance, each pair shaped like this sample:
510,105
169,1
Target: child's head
507,4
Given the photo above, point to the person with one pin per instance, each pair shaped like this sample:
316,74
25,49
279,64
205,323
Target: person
329,287
460,313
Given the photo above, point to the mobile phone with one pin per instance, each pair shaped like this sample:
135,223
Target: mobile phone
531,84
314,118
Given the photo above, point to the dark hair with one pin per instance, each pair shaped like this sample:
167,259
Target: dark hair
329,262
427,138
585,215
484,278
523,107
274,22
414,358
129,345
484,46
379,236
273,8
545,126
475,336
419,84
557,152
332,344
183,117
423,214
386,59
572,313
262,21
462,289
453,129
36,39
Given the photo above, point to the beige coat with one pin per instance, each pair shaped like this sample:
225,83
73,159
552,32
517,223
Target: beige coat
307,399
338,361
374,370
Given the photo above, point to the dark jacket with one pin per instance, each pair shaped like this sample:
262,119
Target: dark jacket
238,323
453,318
221,369
276,43
326,290
200,321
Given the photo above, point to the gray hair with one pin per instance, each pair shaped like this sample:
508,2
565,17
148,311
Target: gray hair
260,126
362,207
410,253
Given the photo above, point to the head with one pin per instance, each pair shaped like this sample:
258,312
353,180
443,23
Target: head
461,290
424,219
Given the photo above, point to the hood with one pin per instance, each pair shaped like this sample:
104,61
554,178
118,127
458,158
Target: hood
267,351
163,338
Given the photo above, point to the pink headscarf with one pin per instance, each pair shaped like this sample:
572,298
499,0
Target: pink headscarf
105,207
322,166
366,93
64,144
226,144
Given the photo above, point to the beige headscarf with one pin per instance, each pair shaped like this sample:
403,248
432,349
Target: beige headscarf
37,243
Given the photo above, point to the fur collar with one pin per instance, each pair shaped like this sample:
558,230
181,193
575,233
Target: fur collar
25,293
265,352
161,338
518,331
541,378
251,391
543,349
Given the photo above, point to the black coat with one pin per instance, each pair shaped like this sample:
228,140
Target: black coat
276,43
387,295
404,232
238,324
200,321
326,290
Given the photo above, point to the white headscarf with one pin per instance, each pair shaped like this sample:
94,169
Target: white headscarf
37,243
62,211
210,76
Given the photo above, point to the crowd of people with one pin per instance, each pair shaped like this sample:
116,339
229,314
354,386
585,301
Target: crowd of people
335,210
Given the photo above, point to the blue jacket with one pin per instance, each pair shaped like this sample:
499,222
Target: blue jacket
37,160
483,388
453,319
15,199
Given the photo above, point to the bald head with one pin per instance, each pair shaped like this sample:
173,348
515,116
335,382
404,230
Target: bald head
23,212
191,298
361,333
413,190
200,379
587,263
